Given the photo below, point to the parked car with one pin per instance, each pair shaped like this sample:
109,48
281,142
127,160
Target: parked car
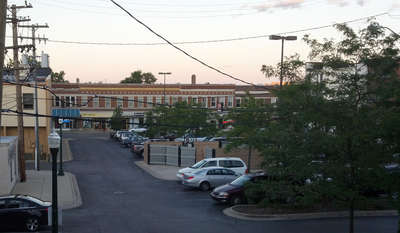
117,135
235,164
234,193
170,137
206,178
137,130
133,139
137,149
23,211
125,135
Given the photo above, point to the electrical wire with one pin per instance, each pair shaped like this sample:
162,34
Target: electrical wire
179,49
217,40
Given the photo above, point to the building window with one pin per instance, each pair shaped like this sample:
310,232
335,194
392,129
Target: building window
185,99
83,101
158,100
67,101
140,102
238,102
194,100
96,102
213,102
119,101
108,102
204,101
73,103
130,102
57,102
28,101
230,102
174,100
222,101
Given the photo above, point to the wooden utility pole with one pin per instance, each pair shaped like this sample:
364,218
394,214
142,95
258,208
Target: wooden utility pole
21,140
3,12
34,66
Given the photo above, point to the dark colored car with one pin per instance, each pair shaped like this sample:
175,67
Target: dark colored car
138,148
234,193
133,139
23,211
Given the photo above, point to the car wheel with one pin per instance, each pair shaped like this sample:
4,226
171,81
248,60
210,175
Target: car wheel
32,224
236,200
204,186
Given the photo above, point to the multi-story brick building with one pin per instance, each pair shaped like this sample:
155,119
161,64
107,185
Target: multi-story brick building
97,102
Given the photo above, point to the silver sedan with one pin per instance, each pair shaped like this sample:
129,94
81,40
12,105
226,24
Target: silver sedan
206,178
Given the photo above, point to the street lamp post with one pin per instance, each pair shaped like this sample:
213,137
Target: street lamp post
164,73
283,38
54,144
61,171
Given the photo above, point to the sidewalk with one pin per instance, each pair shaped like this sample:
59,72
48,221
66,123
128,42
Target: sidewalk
39,184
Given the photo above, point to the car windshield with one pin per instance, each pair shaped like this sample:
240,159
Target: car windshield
240,181
199,164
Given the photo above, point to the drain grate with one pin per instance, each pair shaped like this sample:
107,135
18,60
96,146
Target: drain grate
119,192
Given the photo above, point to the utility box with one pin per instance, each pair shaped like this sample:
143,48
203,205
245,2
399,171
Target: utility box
9,172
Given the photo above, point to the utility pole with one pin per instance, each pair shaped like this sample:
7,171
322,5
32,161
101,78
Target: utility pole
21,140
3,13
34,66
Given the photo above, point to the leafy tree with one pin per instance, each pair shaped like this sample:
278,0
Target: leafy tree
250,120
139,77
291,68
180,119
117,121
341,132
58,77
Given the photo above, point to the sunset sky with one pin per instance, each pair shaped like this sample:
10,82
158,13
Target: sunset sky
95,40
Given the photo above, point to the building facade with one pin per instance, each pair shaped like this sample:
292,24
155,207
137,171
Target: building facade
95,103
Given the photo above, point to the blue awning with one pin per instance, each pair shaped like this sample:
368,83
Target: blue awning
69,112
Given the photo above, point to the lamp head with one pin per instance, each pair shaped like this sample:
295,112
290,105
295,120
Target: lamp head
54,140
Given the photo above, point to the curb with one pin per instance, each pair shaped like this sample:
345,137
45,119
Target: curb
76,194
234,214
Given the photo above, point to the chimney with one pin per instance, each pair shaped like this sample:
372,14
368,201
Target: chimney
193,79
77,80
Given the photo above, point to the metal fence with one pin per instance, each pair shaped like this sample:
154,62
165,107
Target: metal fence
172,155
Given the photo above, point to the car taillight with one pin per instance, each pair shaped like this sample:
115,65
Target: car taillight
189,177
247,171
135,147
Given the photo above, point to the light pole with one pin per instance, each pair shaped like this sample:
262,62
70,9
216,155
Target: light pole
54,144
61,171
164,73
283,38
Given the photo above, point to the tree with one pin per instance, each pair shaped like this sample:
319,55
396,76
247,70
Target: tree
292,69
117,121
139,77
58,77
250,120
341,132
181,118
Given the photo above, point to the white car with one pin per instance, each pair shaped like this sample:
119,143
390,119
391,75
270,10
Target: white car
235,164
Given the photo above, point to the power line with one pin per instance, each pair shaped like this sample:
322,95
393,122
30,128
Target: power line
158,35
216,40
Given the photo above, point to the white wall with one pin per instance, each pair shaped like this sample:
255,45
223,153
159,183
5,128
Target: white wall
9,172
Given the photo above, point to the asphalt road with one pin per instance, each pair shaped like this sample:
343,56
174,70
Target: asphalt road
119,196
